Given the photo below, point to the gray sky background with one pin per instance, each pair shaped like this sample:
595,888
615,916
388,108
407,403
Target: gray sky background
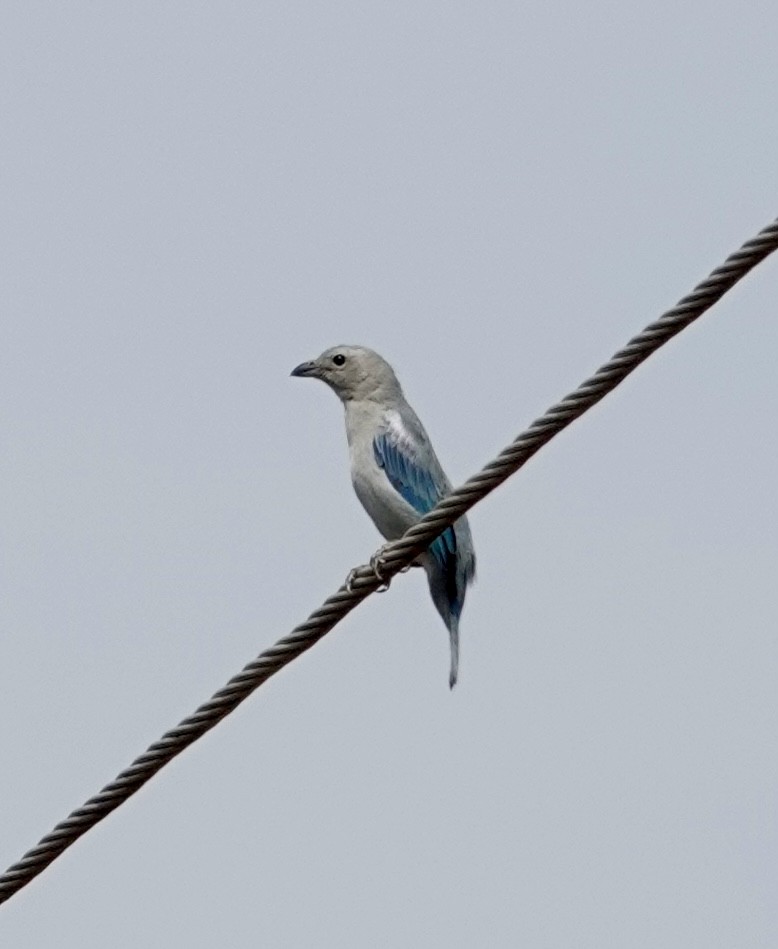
194,198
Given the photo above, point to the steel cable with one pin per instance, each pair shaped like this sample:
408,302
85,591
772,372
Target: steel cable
394,557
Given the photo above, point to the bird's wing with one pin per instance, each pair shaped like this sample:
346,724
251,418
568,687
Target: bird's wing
415,473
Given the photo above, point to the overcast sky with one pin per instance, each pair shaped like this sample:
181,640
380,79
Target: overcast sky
495,196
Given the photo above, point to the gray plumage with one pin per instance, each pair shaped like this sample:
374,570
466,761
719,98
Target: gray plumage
396,473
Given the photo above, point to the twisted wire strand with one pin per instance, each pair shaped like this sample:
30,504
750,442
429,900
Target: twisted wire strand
393,557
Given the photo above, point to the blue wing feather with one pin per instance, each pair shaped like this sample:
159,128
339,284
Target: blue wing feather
417,485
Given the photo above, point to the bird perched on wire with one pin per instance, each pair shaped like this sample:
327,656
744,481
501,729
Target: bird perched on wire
395,472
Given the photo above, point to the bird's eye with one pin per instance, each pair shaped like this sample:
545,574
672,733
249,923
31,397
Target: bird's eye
338,359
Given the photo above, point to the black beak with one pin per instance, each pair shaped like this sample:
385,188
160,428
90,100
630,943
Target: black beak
304,369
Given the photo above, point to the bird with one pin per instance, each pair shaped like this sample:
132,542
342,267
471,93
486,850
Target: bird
396,474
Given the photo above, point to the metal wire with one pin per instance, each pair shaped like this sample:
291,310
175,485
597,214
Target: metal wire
395,556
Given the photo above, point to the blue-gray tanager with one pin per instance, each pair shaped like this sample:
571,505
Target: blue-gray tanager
396,473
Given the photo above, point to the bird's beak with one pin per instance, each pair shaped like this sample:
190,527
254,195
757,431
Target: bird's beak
305,369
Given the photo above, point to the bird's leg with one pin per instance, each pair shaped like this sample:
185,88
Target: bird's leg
377,563
352,575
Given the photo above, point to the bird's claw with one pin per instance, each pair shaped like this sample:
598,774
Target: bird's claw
377,565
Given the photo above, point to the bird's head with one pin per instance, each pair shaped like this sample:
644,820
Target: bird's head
354,373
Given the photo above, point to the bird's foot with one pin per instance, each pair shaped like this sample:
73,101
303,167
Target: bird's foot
377,564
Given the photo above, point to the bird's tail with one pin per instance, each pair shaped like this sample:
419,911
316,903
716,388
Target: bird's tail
453,632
